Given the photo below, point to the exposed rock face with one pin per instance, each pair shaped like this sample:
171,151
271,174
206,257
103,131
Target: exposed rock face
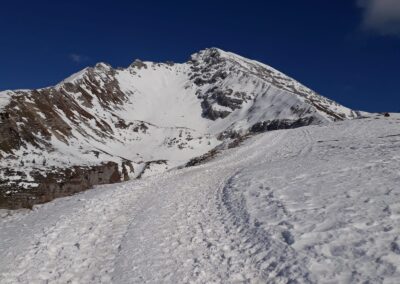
110,125
216,73
58,184
228,99
271,125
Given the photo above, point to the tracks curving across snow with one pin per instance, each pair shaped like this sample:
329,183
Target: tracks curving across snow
287,206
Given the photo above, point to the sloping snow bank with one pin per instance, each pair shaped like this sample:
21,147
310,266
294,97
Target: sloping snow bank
314,204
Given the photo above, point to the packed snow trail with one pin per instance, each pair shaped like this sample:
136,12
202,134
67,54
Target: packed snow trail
315,204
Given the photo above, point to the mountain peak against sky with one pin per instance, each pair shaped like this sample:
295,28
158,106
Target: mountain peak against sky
146,118
334,59
210,52
215,52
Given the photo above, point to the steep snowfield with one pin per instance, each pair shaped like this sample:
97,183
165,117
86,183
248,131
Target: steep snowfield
318,204
162,96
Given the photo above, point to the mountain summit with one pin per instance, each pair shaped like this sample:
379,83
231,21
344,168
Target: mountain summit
105,125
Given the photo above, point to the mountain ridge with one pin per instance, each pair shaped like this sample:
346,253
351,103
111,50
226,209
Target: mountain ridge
143,119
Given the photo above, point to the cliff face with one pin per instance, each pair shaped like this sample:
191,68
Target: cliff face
104,125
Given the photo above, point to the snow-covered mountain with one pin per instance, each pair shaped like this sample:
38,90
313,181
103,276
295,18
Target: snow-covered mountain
104,125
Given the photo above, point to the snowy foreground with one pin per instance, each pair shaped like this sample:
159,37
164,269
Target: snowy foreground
316,204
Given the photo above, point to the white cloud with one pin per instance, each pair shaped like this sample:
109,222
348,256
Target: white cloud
78,58
381,16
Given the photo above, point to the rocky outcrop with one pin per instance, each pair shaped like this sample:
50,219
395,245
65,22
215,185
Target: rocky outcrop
227,99
57,184
149,165
279,124
203,158
139,64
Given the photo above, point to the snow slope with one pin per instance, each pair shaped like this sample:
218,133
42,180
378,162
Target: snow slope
318,204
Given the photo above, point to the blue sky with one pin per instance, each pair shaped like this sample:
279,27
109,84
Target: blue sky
347,50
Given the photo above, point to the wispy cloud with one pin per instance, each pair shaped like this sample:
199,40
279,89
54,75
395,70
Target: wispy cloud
78,58
381,16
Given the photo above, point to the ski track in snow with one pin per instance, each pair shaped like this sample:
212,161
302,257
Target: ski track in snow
310,205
